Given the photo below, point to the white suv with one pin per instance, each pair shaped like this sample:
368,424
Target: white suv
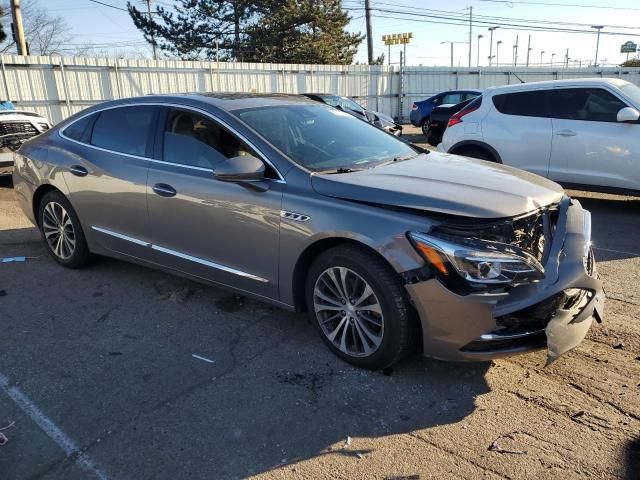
584,133
16,127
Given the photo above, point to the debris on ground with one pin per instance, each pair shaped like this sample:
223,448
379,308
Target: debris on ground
495,447
13,259
3,437
578,414
347,441
204,359
619,346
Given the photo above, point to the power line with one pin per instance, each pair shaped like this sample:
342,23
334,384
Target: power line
109,5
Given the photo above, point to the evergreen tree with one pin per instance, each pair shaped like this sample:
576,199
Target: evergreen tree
191,28
278,31
302,31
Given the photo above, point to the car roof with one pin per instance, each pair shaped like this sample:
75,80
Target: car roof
234,101
575,82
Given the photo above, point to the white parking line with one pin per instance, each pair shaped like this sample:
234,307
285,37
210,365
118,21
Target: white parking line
51,429
617,251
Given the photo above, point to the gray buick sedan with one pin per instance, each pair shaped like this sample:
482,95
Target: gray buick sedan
388,248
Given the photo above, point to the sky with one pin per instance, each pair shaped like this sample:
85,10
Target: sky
113,29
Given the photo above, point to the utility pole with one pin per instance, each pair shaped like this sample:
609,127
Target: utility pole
471,33
367,14
491,29
155,52
541,54
17,28
515,53
552,55
498,43
479,37
566,58
598,28
528,49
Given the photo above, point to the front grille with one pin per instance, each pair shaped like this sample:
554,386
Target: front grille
17,128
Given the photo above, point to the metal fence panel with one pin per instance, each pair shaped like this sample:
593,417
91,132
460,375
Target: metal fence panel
58,87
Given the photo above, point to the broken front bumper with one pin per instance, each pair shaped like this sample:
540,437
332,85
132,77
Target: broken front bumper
555,312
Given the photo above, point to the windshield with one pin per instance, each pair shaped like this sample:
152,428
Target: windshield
320,138
343,102
633,92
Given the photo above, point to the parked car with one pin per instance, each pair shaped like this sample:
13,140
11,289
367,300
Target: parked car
421,111
440,118
380,120
301,205
17,126
584,133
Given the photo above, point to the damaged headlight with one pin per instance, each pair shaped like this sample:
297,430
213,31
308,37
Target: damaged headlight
477,261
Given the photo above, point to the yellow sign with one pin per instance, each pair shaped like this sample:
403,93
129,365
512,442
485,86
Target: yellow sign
397,38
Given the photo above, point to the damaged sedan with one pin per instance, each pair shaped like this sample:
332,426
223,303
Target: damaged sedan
387,247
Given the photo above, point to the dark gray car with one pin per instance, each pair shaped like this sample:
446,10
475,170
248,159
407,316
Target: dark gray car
306,207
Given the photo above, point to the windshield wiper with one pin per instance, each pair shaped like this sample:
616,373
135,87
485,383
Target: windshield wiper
344,170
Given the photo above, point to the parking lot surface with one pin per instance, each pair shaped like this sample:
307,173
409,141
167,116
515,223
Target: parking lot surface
121,372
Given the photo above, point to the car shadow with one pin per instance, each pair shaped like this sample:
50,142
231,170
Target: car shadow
631,459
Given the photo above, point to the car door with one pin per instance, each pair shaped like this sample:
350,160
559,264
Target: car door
220,231
519,129
590,147
106,154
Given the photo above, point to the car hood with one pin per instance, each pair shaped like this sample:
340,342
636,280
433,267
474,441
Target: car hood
444,183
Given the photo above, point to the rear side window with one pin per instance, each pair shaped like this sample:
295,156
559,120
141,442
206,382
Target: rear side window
525,104
452,98
78,130
587,104
124,129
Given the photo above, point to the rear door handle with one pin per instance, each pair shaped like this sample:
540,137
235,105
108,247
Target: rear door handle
164,190
566,133
78,170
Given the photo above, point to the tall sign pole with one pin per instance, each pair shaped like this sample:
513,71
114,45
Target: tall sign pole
367,13
470,32
18,28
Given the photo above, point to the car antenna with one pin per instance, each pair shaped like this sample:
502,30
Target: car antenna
516,75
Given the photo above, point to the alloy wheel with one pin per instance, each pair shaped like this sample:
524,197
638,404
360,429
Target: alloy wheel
58,230
348,311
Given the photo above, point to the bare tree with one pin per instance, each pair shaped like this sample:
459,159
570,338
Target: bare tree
45,34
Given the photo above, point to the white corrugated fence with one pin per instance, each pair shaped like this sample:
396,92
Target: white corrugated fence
57,87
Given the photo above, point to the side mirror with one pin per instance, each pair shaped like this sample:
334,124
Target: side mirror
628,114
245,168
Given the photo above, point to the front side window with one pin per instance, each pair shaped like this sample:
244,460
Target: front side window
588,104
124,129
525,104
322,138
195,140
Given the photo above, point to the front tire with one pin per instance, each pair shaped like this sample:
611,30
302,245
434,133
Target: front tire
61,231
359,307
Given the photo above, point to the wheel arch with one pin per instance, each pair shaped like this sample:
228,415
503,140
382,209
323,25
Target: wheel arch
475,144
311,252
39,194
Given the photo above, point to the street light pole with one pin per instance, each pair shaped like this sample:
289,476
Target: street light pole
598,28
552,55
479,37
541,54
491,29
515,53
498,43
528,49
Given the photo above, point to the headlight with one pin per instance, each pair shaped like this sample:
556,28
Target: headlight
478,261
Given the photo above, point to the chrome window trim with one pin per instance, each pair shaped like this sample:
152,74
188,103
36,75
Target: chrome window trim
262,156
175,253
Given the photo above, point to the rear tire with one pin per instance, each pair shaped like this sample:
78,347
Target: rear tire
371,325
425,127
61,231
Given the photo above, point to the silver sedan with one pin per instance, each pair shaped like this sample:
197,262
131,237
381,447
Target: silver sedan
386,247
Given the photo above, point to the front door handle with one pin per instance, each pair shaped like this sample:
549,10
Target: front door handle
164,190
566,133
78,170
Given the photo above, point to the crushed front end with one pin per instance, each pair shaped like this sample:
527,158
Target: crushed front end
496,288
